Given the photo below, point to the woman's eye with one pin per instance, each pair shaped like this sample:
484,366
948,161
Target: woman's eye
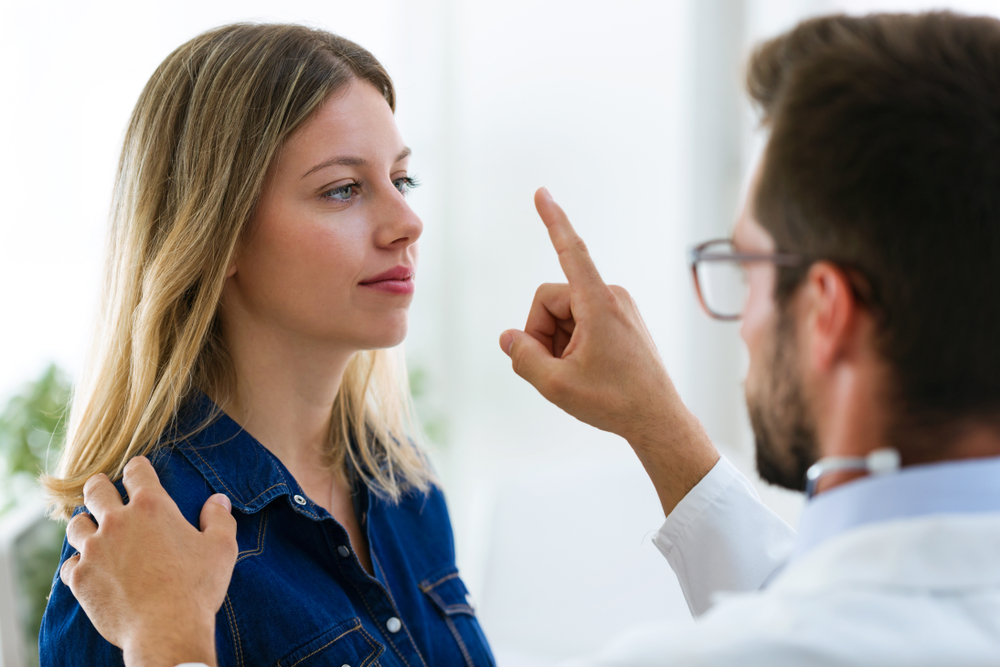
405,184
343,193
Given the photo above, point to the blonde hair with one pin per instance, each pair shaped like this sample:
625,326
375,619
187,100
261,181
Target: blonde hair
200,140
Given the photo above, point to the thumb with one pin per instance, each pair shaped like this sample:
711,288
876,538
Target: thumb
529,358
217,518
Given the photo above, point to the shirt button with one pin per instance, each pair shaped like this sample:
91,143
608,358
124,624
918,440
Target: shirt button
393,625
299,500
343,551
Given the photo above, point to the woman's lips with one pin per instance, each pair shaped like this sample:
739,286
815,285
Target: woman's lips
392,286
398,280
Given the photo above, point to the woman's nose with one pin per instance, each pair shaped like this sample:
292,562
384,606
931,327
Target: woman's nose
399,226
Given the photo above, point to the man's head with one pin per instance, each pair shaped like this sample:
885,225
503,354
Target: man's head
882,171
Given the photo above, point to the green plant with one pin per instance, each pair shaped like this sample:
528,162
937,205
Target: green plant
431,418
33,428
32,432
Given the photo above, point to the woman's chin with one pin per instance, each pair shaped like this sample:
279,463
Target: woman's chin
385,338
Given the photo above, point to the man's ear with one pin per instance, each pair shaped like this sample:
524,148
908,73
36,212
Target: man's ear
831,312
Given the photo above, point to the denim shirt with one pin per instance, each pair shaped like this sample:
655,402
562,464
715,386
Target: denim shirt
299,596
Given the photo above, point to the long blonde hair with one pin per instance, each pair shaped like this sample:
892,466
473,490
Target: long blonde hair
199,143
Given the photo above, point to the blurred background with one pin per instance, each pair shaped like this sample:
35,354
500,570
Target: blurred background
631,112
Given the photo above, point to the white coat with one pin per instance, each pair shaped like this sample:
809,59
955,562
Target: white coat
922,590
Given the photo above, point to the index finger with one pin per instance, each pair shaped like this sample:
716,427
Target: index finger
573,255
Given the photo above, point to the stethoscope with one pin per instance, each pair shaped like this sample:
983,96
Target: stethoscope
878,462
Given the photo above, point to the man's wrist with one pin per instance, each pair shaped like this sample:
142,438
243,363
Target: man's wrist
676,453
170,645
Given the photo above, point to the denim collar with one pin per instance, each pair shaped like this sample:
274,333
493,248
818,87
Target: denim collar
234,463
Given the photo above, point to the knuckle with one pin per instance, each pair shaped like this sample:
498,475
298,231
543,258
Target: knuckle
230,548
613,298
556,388
134,463
142,499
94,481
81,571
517,358
110,522
77,524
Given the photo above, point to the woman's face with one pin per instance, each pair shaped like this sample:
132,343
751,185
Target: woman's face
331,250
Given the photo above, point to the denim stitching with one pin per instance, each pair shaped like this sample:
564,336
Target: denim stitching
209,466
260,537
372,615
378,648
447,608
426,587
274,486
461,644
396,606
223,484
234,630
306,657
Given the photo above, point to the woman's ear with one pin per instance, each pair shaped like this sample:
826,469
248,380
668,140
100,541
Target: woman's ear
231,271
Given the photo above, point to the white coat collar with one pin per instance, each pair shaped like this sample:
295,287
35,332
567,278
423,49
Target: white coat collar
951,487
942,552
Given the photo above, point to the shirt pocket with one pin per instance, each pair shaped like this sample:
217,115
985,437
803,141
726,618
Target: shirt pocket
345,644
450,597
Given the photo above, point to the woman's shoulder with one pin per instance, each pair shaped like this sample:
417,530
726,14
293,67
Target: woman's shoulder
183,482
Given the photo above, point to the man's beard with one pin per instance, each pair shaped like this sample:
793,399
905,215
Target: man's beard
783,428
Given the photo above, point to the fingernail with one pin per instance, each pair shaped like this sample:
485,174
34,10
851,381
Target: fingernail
506,342
546,193
223,500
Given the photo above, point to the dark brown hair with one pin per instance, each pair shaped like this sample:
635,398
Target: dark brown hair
884,158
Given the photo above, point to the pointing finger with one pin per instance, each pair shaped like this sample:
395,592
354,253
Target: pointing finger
573,254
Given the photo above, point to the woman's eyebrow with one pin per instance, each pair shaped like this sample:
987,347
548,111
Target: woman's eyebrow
350,161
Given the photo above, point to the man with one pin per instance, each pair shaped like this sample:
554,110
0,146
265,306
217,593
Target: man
867,250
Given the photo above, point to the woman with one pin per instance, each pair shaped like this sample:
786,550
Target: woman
262,258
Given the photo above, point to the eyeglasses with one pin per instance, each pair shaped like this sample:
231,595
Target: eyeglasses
720,275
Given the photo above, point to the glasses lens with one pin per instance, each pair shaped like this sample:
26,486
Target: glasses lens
723,284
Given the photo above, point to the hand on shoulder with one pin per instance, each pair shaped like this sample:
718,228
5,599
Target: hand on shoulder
150,582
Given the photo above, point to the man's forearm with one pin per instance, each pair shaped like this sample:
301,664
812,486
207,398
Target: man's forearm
676,452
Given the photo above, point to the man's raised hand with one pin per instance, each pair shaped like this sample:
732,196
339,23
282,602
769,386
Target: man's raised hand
586,349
